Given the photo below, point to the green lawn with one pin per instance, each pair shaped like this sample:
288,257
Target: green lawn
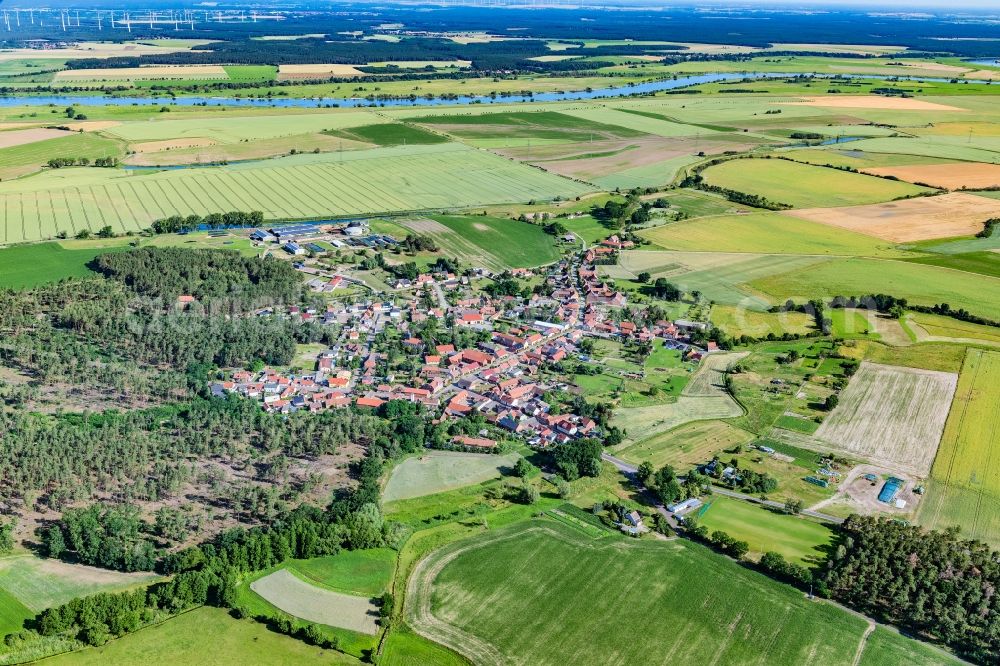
536,593
31,265
364,573
434,472
204,636
12,613
886,647
390,134
798,539
804,185
514,244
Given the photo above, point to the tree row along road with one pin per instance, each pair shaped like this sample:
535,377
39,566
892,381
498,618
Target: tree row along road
630,471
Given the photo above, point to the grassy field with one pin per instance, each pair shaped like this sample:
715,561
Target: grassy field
938,327
893,416
766,232
306,186
301,599
494,129
439,471
364,573
924,285
28,158
232,128
886,647
43,583
390,134
966,472
803,185
677,599
641,423
30,265
983,262
512,244
686,446
204,636
738,321
13,613
722,277
797,539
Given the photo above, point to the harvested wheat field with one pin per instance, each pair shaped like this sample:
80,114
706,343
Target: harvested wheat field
145,73
873,102
920,218
316,71
25,136
891,416
974,175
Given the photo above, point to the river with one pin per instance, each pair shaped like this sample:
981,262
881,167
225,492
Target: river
289,102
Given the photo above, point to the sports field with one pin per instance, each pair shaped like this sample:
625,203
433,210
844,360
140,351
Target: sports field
308,186
315,604
204,636
797,539
504,596
966,473
803,185
438,471
766,232
891,416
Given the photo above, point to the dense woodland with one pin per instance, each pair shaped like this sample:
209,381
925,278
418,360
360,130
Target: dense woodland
935,584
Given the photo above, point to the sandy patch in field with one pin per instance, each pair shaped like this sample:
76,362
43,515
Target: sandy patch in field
949,176
90,50
92,125
920,218
317,70
171,144
315,604
153,72
21,137
987,74
873,102
572,159
936,67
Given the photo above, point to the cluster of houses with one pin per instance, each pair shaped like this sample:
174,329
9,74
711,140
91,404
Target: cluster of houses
498,377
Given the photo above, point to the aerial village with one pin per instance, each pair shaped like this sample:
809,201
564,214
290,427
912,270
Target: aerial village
499,369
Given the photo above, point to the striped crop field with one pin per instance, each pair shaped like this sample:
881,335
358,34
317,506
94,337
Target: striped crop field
534,594
433,177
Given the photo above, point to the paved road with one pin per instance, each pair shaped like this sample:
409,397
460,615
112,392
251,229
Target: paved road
629,470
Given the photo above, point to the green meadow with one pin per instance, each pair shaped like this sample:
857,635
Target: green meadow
803,185
676,598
